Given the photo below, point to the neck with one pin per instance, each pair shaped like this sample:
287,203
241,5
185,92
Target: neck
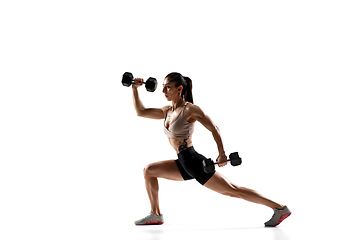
177,103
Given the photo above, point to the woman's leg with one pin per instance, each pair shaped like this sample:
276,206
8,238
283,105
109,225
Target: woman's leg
164,169
220,184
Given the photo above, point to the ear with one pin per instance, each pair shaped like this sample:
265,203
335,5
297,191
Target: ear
180,88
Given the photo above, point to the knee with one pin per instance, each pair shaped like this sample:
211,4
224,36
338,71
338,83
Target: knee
232,191
149,171
246,193
238,192
230,194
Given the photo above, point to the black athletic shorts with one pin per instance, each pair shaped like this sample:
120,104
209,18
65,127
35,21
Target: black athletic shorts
190,166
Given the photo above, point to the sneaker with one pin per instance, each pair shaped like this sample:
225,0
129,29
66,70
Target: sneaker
278,217
151,219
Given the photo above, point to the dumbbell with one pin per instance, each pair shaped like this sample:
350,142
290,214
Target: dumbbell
209,165
128,79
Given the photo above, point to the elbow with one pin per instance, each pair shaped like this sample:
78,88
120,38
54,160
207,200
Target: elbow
140,112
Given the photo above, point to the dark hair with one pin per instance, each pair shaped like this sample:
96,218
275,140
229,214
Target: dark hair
180,80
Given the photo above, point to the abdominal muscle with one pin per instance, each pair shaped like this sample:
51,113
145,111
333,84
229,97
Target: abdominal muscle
180,144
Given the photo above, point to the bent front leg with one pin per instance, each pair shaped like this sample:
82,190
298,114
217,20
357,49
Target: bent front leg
164,169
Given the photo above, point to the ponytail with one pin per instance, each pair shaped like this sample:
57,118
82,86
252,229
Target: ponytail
182,81
188,91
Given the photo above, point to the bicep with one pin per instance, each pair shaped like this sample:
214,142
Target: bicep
154,113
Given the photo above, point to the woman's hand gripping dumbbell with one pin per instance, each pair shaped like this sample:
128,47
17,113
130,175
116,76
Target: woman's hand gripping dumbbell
209,165
128,79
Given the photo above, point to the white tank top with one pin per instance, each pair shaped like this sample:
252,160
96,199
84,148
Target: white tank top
179,128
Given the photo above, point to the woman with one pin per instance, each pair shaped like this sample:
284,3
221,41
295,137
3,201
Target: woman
179,126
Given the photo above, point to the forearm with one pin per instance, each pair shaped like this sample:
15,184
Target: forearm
139,106
219,142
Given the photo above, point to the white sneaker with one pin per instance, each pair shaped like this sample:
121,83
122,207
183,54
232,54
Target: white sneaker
278,217
151,219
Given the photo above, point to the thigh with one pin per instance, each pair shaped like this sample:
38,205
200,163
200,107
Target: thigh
220,184
164,169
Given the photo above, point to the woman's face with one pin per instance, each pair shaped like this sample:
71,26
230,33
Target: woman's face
171,92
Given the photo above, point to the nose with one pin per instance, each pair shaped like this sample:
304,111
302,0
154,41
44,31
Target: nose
164,90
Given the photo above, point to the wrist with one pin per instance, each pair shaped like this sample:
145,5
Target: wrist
222,152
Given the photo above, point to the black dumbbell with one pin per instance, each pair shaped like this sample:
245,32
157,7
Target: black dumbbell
209,165
128,79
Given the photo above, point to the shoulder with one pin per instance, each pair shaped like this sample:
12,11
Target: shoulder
192,112
192,107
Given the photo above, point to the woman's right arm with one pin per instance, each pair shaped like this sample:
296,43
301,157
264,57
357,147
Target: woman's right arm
154,113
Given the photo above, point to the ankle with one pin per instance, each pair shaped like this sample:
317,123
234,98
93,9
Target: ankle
280,207
157,213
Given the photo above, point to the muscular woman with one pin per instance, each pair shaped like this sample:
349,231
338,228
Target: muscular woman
180,117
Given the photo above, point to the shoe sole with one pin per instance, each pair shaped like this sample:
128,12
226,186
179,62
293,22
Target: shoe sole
282,218
152,222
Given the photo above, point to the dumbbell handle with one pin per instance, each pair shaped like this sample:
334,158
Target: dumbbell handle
132,82
209,165
232,156
218,162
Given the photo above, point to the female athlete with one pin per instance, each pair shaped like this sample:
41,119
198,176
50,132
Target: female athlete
180,117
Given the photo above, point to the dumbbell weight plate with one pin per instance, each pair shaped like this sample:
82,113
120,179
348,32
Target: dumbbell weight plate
235,160
208,165
151,84
127,79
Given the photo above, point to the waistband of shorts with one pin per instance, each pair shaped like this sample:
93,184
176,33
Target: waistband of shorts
187,152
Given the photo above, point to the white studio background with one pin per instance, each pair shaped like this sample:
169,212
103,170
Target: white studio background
279,78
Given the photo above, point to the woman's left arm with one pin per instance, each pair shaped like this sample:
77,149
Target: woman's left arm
197,114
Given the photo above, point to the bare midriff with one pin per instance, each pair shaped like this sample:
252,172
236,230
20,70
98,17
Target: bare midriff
180,144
